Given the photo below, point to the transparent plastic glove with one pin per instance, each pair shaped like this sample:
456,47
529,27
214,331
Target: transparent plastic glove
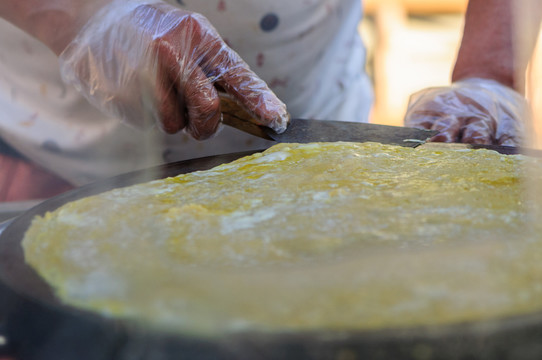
475,111
148,61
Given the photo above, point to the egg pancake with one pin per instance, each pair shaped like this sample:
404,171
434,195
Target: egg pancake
345,236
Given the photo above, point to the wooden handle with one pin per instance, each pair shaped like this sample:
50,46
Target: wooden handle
234,115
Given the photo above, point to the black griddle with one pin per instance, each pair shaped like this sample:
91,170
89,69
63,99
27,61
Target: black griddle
36,325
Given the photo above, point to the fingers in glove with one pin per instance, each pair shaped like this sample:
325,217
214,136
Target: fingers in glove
171,110
449,128
509,130
421,121
250,91
203,105
479,131
187,98
509,139
258,99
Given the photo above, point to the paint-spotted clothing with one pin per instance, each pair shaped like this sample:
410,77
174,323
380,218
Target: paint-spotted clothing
308,51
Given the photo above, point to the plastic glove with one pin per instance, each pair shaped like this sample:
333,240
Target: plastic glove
476,111
147,60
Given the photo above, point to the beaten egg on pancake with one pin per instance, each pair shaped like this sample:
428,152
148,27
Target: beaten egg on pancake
345,236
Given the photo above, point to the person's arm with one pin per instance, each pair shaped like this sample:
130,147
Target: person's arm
498,40
484,104
53,22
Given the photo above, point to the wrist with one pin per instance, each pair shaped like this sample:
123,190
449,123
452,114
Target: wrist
491,47
504,76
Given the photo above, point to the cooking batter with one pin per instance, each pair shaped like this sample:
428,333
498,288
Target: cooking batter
306,237
150,62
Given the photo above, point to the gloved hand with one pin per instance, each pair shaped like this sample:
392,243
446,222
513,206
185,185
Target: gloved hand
476,111
146,61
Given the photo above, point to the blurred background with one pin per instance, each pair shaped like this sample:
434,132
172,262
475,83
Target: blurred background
412,44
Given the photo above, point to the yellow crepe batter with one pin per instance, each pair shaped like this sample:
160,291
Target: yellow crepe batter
311,236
